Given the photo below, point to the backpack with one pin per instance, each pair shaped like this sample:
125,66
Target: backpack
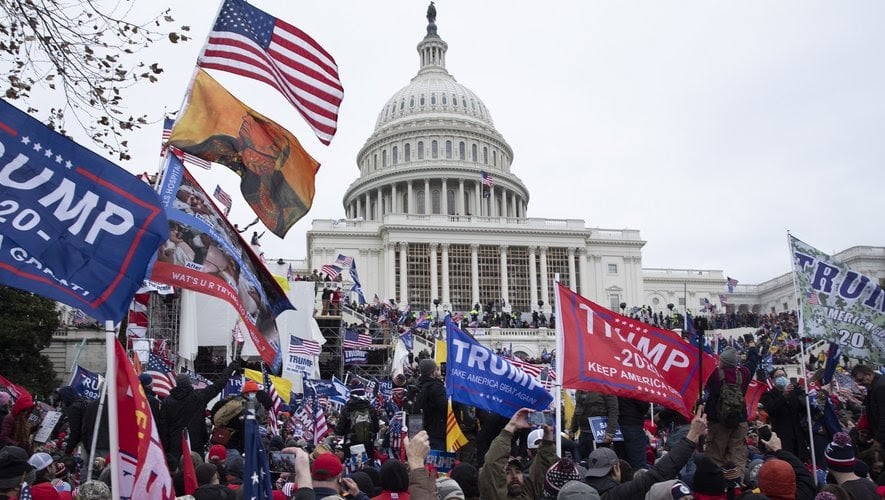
731,405
361,425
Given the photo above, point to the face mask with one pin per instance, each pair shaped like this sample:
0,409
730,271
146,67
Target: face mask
780,382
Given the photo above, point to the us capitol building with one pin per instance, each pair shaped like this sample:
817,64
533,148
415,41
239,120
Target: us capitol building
425,229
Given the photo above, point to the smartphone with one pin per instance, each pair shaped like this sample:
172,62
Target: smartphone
541,418
282,462
764,432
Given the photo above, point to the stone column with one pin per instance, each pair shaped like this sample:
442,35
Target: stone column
599,279
390,278
380,205
503,202
572,282
444,198
544,287
434,279
427,208
474,273
493,203
505,287
445,273
368,201
478,210
394,202
584,289
533,279
460,208
403,273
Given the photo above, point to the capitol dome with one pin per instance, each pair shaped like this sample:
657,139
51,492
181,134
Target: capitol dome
435,150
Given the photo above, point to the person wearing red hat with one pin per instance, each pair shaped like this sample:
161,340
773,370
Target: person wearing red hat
326,473
16,430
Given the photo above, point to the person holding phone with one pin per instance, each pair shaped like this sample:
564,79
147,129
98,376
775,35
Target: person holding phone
785,405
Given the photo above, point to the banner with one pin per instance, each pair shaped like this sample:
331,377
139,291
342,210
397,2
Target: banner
86,383
74,227
276,173
442,461
598,426
355,357
143,471
609,353
839,304
204,253
281,385
478,377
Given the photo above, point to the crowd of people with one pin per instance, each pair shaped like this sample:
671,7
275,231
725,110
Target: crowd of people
725,451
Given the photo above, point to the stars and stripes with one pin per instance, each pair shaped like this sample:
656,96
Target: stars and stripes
303,347
290,273
812,298
397,434
731,283
356,340
332,271
181,155
25,492
237,332
343,260
250,42
276,402
723,299
161,372
487,179
223,198
321,427
137,324
79,318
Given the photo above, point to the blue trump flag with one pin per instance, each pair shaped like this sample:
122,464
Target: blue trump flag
75,228
478,377
86,383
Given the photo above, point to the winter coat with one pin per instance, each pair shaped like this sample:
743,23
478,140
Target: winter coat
593,404
434,406
185,408
493,477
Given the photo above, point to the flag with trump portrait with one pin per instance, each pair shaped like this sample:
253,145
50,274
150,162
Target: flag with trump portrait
276,173
838,303
609,353
206,254
74,227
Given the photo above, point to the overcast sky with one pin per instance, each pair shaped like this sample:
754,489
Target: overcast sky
711,127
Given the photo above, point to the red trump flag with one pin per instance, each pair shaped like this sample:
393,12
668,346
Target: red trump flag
609,353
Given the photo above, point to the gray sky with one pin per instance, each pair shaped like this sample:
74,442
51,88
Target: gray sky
712,127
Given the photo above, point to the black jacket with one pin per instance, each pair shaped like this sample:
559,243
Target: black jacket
75,413
345,425
434,405
185,408
632,411
89,429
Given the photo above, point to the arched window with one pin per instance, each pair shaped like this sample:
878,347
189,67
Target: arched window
402,104
375,161
433,99
420,200
412,102
435,201
421,102
450,202
473,152
462,151
444,99
420,150
448,150
383,158
407,150
454,100
494,158
395,155
405,203
485,155
434,150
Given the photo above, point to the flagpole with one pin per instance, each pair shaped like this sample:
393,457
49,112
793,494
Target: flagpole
802,359
76,360
557,394
113,427
96,427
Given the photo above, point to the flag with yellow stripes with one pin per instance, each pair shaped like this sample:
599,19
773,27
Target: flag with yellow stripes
455,438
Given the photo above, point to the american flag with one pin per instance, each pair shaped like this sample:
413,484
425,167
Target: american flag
813,299
303,347
356,340
197,381
331,270
730,283
187,157
343,260
397,436
546,375
25,492
321,427
276,404
487,179
250,42
224,198
237,332
79,318
290,273
723,299
164,377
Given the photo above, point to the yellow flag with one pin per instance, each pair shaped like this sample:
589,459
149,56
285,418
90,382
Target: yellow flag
440,352
568,405
455,438
282,386
283,281
276,173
